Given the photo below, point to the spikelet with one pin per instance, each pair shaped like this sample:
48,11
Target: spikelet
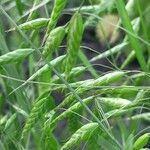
81,134
32,25
115,102
59,5
141,141
15,56
53,41
75,32
141,116
109,78
37,109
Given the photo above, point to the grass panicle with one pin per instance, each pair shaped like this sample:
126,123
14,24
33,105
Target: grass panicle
65,81
87,85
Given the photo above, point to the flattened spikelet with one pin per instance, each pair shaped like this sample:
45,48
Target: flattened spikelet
141,141
33,24
15,56
140,116
81,134
115,102
59,5
53,41
75,32
36,110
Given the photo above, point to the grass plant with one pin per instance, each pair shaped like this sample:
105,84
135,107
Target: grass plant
58,93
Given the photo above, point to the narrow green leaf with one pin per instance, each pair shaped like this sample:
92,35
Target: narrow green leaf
133,41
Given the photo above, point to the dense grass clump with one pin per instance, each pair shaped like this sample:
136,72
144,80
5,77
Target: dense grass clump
74,75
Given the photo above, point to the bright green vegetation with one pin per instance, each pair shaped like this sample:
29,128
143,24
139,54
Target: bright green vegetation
52,97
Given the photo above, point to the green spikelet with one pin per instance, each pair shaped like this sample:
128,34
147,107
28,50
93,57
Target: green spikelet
15,56
81,134
141,116
115,102
75,32
59,5
141,141
53,41
32,25
35,112
52,44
